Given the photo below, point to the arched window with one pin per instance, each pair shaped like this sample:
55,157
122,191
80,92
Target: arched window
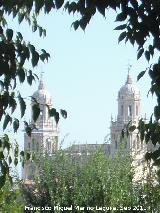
129,110
136,110
48,145
116,145
121,109
125,144
133,144
37,146
29,146
33,144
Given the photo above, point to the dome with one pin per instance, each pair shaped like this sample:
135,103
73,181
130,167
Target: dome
42,95
129,88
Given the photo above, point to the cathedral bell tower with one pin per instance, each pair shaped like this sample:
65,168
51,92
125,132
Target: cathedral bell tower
128,102
44,138
128,110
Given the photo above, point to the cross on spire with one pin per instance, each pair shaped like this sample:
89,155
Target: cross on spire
129,79
129,66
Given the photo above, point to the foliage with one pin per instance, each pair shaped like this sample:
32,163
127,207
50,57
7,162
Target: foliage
15,54
10,155
10,199
66,180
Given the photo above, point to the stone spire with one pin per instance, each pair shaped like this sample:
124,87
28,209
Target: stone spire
41,84
129,79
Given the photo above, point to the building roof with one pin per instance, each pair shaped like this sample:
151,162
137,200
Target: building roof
129,88
42,95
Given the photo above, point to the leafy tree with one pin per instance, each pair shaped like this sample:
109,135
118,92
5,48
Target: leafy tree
11,198
98,181
15,55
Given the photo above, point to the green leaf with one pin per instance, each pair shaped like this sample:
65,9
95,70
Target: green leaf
20,36
21,74
6,121
63,113
55,114
49,4
22,105
140,52
22,153
1,30
122,36
31,47
15,125
134,3
1,155
38,6
40,31
147,55
15,161
56,117
151,50
157,112
35,58
59,3
10,180
22,163
9,34
12,104
20,17
2,180
52,112
140,75
4,168
28,155
30,78
28,131
121,27
147,156
44,33
75,25
44,55
132,128
35,111
121,16
7,144
26,52
83,23
34,27
10,160
101,6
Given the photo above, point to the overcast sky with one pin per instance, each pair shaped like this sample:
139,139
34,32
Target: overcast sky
84,74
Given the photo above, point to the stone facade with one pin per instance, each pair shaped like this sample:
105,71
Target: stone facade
129,112
44,138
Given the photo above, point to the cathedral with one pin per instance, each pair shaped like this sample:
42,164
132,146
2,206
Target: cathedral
128,112
44,138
